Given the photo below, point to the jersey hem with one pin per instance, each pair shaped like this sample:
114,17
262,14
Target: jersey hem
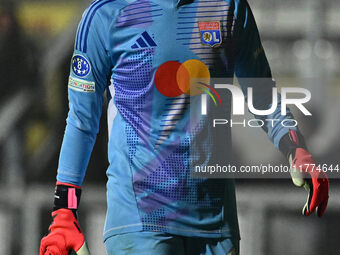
139,227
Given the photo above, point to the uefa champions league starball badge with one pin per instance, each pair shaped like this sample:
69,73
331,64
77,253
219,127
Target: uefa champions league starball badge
210,33
80,66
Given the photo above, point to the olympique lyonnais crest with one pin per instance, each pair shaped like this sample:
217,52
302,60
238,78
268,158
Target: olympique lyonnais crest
210,32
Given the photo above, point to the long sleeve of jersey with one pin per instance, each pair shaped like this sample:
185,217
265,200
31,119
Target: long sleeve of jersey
89,76
252,70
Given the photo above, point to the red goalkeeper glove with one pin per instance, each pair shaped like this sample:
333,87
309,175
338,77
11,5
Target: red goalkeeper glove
305,173
316,183
65,234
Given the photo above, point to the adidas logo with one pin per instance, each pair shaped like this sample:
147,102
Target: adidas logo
145,41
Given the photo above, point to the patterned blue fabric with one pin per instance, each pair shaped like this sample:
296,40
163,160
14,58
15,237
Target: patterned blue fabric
149,186
156,243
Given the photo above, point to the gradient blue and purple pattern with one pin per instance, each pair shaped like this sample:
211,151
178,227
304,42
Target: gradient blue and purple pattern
149,183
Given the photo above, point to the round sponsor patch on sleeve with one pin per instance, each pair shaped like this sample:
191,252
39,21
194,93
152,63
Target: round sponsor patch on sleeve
80,66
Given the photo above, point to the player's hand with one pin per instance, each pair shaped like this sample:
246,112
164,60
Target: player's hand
305,174
65,235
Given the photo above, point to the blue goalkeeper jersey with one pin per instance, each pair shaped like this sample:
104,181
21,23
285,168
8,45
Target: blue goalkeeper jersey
120,46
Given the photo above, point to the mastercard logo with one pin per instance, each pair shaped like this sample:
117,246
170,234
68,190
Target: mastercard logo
173,79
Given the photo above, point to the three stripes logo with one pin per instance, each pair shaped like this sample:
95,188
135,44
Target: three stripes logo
145,41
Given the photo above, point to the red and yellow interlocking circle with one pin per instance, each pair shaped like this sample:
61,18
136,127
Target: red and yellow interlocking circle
173,79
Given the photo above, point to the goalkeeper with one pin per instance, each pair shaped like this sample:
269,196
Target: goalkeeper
122,48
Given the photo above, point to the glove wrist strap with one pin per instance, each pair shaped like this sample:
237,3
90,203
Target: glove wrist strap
67,197
290,142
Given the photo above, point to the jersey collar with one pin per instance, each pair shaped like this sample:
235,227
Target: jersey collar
183,2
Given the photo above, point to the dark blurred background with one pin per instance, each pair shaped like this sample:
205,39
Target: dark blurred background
302,41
